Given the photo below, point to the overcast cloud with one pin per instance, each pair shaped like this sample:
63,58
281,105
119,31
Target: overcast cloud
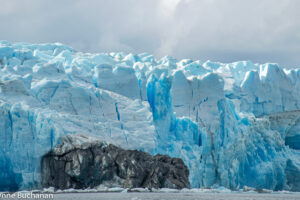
218,30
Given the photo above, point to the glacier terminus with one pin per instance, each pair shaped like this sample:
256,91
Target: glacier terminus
233,125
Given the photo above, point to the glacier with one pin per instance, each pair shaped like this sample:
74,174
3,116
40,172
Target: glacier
233,124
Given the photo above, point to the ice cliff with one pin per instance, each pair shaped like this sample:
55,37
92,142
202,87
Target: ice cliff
234,125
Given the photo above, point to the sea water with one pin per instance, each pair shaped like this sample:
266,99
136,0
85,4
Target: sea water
172,196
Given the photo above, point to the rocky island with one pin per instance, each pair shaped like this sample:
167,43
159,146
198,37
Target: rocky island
79,163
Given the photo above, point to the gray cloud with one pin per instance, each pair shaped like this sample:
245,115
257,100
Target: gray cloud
219,30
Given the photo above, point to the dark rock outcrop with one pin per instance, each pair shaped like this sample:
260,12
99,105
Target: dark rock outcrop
79,163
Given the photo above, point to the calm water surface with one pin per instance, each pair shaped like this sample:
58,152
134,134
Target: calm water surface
176,196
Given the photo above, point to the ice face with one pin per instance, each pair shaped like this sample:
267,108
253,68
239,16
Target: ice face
234,125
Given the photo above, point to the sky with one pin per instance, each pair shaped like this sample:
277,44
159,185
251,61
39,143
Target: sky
218,30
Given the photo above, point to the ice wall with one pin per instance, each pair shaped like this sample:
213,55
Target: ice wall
234,125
